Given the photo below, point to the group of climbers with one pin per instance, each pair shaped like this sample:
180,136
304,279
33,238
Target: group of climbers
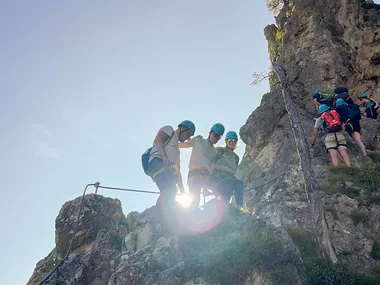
339,115
329,98
210,168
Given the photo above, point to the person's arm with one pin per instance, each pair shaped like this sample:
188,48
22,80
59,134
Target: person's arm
187,144
314,136
179,177
316,104
160,140
237,163
344,123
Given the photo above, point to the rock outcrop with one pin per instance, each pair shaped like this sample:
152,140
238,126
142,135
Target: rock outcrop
279,240
95,251
216,245
320,44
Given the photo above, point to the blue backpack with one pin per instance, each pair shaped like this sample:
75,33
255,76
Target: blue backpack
354,112
145,156
145,160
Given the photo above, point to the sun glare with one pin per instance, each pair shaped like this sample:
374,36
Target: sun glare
184,200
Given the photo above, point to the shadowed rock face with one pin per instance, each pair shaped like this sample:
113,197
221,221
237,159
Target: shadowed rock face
96,248
320,44
160,247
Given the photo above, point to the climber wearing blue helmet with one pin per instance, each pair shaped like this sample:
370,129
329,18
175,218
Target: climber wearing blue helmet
350,114
202,156
342,93
371,106
334,139
223,177
325,96
164,161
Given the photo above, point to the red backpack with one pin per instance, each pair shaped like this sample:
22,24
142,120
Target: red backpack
331,121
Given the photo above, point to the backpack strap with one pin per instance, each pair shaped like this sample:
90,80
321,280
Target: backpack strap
157,153
169,138
374,105
220,154
237,159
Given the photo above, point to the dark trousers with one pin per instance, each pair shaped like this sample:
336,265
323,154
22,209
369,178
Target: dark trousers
371,113
165,180
227,185
197,179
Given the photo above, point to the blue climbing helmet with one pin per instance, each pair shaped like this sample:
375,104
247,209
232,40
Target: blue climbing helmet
339,102
315,92
218,128
323,108
188,124
363,95
231,135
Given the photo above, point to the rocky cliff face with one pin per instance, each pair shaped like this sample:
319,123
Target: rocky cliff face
320,44
218,245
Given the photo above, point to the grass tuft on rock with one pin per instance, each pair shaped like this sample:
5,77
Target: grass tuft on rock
360,183
320,271
228,252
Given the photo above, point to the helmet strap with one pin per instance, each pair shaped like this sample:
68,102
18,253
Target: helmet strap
209,135
180,131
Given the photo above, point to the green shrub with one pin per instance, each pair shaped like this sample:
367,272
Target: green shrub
365,182
239,243
376,250
320,272
226,253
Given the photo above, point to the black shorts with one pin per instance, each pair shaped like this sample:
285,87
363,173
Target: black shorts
371,113
351,127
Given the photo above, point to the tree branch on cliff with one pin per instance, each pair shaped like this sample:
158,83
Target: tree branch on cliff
276,5
260,76
320,227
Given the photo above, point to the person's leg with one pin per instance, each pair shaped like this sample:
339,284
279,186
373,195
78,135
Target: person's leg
228,186
225,192
239,192
166,183
346,158
334,156
376,114
357,138
342,148
195,187
331,144
214,184
369,113
164,179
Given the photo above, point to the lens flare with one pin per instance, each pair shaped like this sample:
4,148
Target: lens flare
184,200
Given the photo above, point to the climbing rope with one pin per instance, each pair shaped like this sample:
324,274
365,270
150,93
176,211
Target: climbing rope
253,188
97,186
55,269
125,189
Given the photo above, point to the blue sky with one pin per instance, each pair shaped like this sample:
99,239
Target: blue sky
84,87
